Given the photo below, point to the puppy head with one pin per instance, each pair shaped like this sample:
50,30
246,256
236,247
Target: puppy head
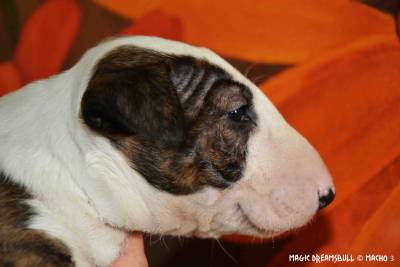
204,149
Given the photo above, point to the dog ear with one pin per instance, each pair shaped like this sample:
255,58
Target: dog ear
131,94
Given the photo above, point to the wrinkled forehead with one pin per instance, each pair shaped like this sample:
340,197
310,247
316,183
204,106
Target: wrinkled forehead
168,47
183,49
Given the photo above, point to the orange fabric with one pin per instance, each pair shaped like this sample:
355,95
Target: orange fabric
343,93
156,23
9,77
46,38
266,31
383,225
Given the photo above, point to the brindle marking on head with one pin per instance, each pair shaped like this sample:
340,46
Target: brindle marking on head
20,246
169,115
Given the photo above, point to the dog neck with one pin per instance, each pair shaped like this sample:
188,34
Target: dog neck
44,148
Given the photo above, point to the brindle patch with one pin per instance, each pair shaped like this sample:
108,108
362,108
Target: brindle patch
182,122
21,247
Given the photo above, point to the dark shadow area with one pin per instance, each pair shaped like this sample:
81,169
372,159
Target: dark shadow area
13,14
387,6
182,252
172,251
257,72
97,24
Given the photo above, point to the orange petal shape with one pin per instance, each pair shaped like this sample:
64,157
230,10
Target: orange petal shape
46,38
156,23
380,234
10,79
285,31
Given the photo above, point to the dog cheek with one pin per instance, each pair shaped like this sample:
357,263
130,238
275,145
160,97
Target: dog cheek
196,212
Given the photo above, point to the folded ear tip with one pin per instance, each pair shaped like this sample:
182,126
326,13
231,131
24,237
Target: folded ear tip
131,93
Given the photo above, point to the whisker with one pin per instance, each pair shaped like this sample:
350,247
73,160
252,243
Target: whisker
273,242
164,243
151,240
249,69
226,252
258,78
181,241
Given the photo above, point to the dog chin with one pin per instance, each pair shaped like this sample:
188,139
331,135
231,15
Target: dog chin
246,228
248,232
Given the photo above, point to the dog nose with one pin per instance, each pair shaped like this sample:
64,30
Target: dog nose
326,199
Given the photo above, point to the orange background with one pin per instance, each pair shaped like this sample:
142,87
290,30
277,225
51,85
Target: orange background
332,67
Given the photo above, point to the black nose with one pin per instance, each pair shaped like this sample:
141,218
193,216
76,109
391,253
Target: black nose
324,200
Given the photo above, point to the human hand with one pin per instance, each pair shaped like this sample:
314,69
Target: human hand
133,254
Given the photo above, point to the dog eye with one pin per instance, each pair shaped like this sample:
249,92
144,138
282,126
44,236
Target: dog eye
238,114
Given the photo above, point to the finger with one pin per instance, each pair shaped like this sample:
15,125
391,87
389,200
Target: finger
133,254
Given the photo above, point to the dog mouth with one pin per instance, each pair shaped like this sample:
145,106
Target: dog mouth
249,222
247,225
257,229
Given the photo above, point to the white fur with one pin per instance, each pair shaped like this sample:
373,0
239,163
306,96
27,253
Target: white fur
83,186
